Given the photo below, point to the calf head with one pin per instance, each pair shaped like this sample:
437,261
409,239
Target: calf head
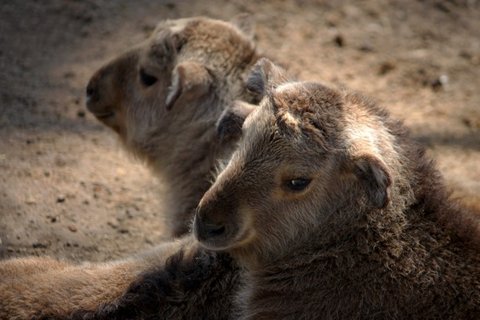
165,96
310,160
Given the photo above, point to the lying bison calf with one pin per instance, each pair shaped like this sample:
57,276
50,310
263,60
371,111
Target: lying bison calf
336,214
171,101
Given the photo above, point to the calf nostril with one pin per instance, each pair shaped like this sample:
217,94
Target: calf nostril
214,230
208,229
91,92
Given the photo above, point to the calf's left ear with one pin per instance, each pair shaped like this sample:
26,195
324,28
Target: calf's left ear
375,178
229,125
245,23
190,80
264,77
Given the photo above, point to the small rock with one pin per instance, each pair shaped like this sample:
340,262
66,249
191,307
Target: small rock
112,224
61,198
465,54
440,82
123,231
472,123
72,228
339,40
386,67
46,173
366,48
81,114
30,201
39,245
60,162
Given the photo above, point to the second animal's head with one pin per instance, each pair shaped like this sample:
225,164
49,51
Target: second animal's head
311,159
168,93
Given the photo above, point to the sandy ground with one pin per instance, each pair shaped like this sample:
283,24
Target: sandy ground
68,190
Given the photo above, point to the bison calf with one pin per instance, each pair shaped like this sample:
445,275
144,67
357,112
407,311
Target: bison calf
170,100
336,214
165,97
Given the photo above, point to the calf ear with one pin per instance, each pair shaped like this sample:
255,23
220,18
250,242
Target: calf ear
190,80
229,125
374,176
264,77
245,23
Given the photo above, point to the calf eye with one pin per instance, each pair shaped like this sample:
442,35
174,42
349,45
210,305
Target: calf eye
147,79
297,184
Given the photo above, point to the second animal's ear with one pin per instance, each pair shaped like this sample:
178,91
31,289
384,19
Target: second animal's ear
190,80
245,23
229,126
264,77
374,176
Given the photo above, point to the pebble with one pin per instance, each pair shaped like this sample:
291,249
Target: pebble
39,245
440,82
386,67
339,40
72,228
30,201
112,224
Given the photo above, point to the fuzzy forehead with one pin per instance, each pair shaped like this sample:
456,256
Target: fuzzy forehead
217,44
308,108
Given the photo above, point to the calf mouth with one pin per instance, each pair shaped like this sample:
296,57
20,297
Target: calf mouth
104,115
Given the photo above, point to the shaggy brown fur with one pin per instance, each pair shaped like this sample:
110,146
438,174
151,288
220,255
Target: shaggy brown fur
165,97
200,284
58,288
182,123
337,214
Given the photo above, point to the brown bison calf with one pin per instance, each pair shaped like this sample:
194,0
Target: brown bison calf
336,214
171,101
164,98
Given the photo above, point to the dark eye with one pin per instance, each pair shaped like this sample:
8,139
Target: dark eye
147,79
297,184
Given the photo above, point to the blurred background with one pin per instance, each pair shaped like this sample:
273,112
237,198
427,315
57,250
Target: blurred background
68,190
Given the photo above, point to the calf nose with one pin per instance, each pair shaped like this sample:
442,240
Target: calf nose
98,99
92,93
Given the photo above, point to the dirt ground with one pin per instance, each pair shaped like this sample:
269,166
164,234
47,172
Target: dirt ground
68,190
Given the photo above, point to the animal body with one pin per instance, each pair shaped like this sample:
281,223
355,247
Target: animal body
335,213
171,100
